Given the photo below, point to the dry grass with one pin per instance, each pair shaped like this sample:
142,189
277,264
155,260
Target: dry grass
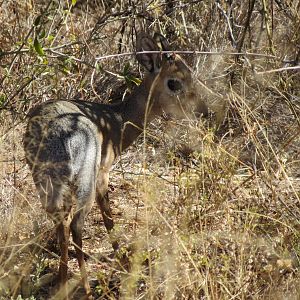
203,211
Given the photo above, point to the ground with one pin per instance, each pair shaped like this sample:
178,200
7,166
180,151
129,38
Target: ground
205,208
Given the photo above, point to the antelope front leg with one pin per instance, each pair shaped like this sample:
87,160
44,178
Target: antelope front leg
76,227
103,202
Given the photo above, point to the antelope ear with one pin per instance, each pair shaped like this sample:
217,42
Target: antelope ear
151,61
162,42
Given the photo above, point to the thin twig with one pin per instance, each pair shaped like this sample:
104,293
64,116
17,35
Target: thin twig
279,70
188,52
246,26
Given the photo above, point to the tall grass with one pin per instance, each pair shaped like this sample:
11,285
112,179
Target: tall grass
205,209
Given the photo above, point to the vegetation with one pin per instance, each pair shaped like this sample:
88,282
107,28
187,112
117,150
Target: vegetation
205,209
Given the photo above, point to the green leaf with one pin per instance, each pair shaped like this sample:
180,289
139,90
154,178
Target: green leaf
42,34
126,68
45,61
74,2
134,79
50,37
3,99
99,67
37,20
64,69
38,47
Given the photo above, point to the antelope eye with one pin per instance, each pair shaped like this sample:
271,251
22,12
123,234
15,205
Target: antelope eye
174,85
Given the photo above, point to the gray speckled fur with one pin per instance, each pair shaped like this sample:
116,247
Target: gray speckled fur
63,145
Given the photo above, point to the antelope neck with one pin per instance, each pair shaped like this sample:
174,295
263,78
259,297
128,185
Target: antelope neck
137,111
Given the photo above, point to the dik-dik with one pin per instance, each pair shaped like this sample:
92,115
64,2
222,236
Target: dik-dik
70,146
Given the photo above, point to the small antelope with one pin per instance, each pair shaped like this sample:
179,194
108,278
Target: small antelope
70,146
